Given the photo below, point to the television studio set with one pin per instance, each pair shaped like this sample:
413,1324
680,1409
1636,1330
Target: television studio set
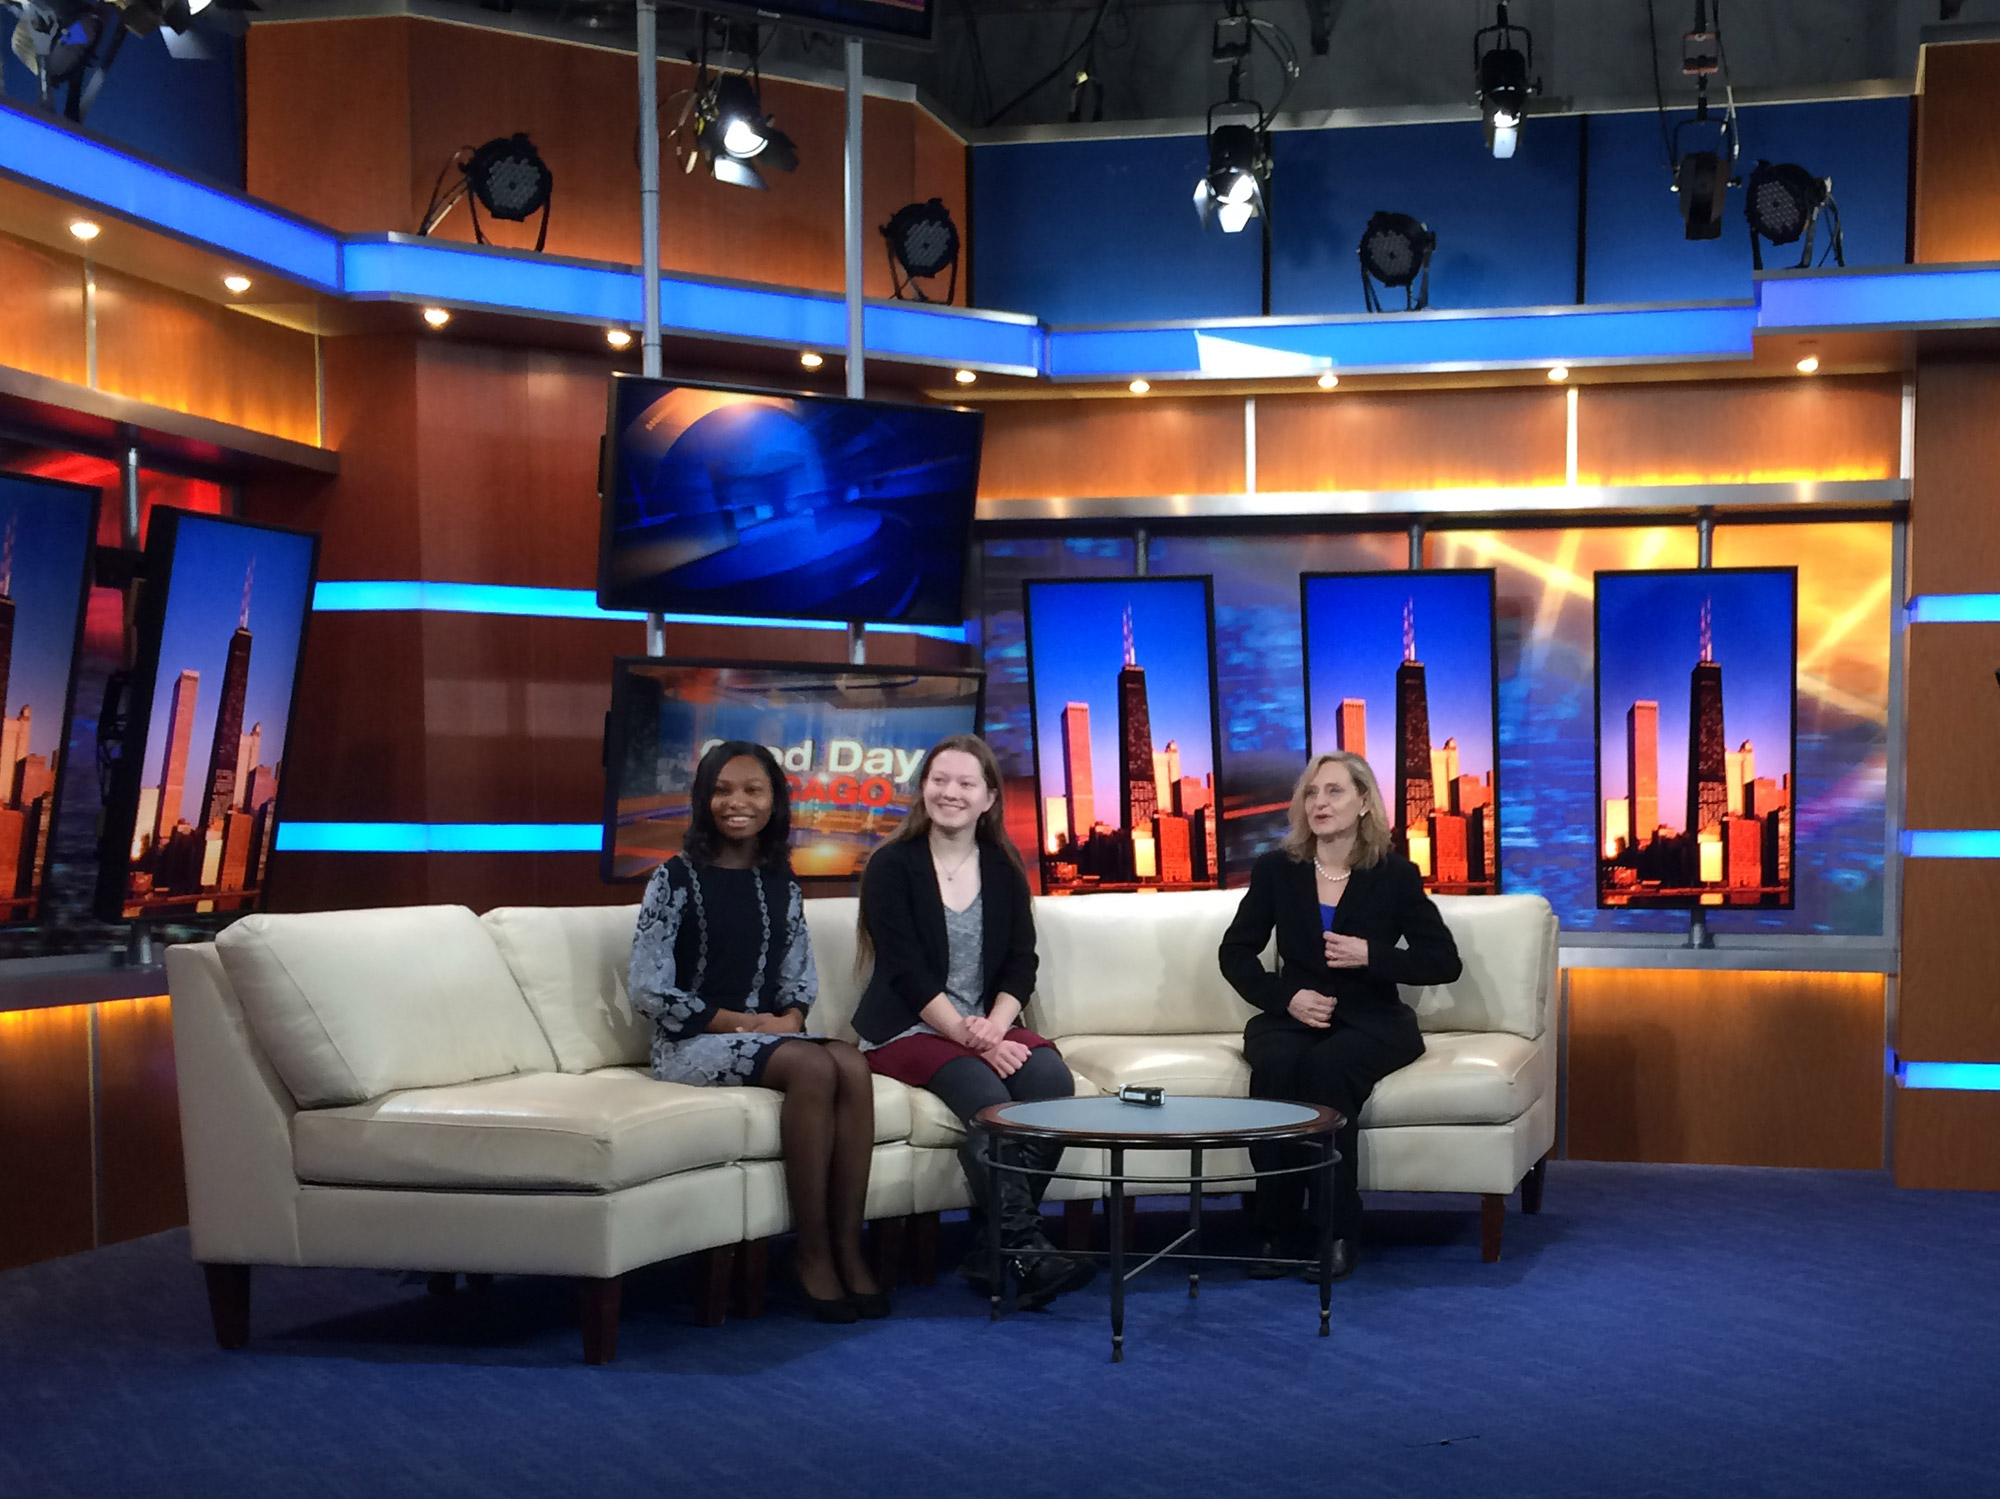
1262,730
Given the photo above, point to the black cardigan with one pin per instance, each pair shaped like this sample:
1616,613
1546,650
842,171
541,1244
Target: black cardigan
1383,902
905,915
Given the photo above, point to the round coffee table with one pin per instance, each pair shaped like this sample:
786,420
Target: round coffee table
1177,1123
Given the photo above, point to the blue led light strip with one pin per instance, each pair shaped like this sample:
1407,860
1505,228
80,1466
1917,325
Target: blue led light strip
440,837
1955,609
557,603
1945,843
1956,1077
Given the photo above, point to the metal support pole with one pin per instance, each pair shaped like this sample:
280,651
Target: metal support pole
649,232
139,935
856,377
1416,546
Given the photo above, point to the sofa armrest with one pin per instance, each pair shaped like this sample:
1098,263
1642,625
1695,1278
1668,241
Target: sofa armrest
236,1122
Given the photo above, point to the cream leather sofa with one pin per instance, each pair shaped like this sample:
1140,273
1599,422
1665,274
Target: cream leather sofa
424,1089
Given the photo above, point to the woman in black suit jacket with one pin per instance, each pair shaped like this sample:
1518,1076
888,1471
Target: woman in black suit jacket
946,911
1332,1024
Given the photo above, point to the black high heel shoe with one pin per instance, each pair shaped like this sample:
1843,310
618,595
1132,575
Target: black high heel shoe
870,1306
840,1311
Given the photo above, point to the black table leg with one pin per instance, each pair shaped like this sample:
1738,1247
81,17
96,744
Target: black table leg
991,1155
1194,1221
1117,1255
1331,1155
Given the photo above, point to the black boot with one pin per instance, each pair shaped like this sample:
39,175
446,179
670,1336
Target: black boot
976,1269
1041,1272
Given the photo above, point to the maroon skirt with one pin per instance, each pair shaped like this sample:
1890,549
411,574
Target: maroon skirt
916,1059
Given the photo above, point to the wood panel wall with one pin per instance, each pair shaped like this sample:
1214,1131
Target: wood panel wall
429,87
41,316
1740,431
1734,1069
1954,543
1410,439
1954,214
1113,446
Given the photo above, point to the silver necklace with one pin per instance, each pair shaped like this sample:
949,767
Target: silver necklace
957,869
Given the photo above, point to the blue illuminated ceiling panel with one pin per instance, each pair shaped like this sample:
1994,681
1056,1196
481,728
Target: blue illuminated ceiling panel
1917,296
1513,339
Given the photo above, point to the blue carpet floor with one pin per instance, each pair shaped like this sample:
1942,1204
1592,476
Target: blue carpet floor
1655,1331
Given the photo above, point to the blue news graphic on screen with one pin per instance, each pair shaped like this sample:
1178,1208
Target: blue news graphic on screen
850,739
1399,669
721,501
222,628
45,547
1696,682
1121,679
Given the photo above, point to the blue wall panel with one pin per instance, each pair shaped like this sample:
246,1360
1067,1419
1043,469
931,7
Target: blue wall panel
183,112
1636,249
1104,232
1506,230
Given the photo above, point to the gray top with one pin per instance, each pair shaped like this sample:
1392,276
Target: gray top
1176,1116
965,931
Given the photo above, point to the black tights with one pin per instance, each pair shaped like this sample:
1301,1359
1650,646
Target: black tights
967,1085
827,1131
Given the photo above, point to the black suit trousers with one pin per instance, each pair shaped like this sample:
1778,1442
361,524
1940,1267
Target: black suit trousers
1339,1068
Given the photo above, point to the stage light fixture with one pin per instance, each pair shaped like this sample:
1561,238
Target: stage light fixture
1139,387
1702,179
507,175
731,130
964,377
85,229
236,285
437,317
811,360
1809,365
921,241
1328,381
1502,69
618,338
1231,192
1559,372
1396,251
1783,203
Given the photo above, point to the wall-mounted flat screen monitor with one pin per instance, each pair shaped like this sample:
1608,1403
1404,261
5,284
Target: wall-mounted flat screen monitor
46,534
907,21
1122,693
193,814
1697,740
743,502
849,738
1400,670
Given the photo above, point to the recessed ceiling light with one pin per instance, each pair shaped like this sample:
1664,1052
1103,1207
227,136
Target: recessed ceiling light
1328,380
811,360
236,285
964,377
1139,387
437,317
85,229
618,338
1809,365
1559,372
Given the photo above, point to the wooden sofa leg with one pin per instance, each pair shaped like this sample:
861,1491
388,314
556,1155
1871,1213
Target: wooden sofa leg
1078,1215
923,1249
597,1302
886,1240
1492,1220
1531,1186
711,1292
440,1282
752,1263
229,1303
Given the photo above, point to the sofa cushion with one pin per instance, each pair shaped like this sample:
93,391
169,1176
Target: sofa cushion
545,1132
831,922
1508,944
349,1005
1134,964
1201,1066
1462,1078
572,963
761,1107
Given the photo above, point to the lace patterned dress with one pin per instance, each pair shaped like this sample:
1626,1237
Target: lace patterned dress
718,939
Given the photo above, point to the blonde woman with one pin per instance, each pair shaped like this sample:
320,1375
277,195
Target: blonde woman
1332,1024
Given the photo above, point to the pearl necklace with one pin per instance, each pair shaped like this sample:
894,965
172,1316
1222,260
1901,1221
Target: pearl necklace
1324,873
